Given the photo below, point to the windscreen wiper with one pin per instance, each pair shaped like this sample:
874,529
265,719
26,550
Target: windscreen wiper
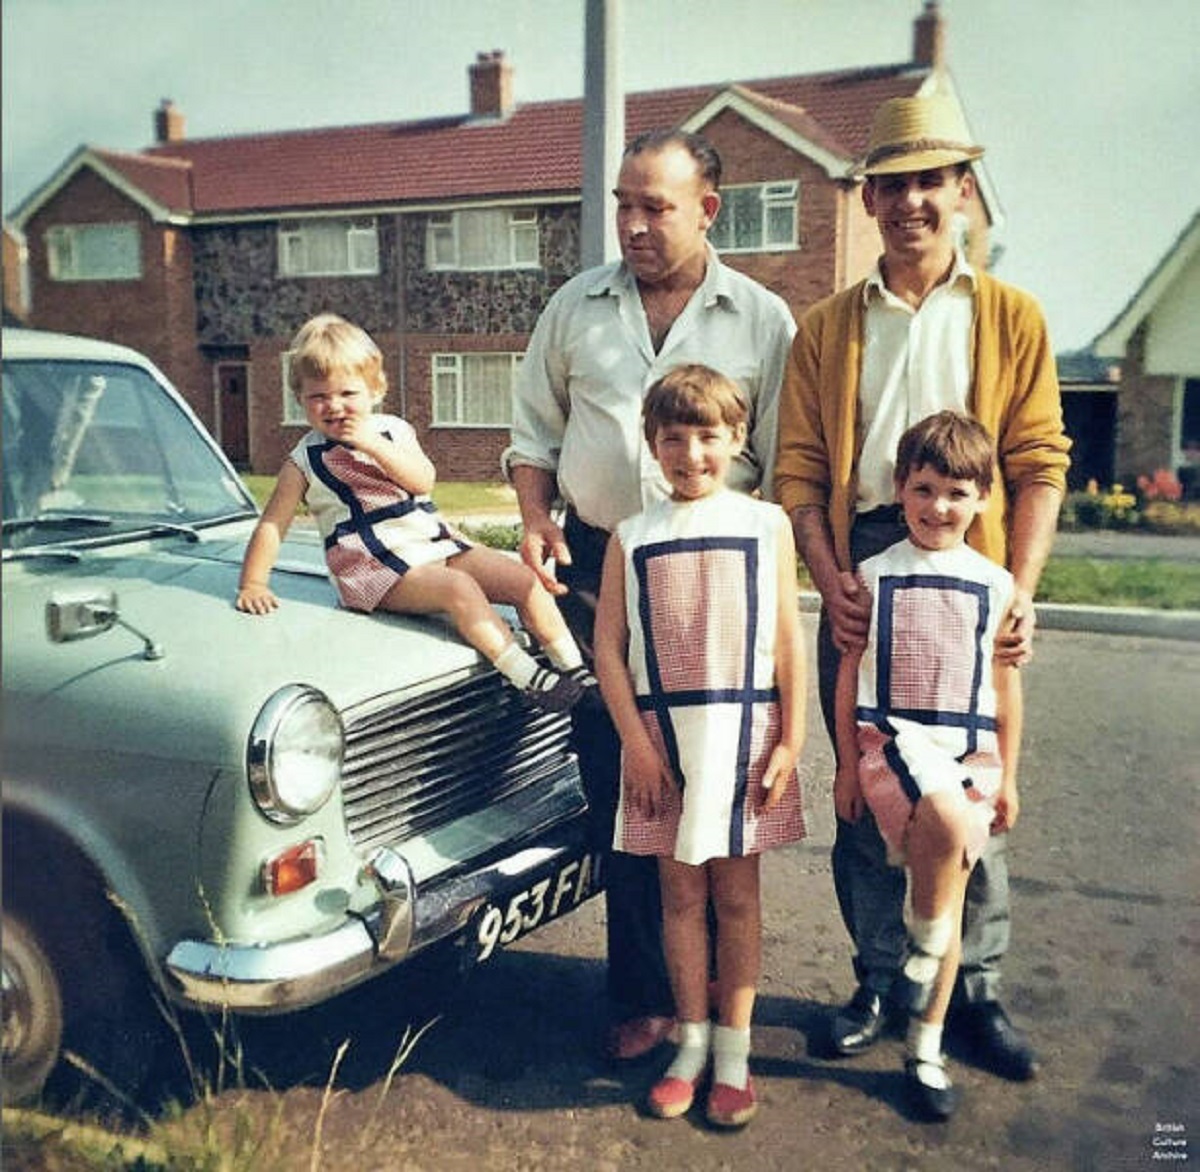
58,521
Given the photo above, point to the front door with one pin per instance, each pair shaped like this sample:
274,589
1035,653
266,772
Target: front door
234,411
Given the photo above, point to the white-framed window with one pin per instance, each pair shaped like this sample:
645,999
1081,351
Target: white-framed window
293,413
94,252
329,248
757,217
474,390
482,238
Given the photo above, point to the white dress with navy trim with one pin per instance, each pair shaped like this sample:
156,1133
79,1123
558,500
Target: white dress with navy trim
926,708
373,530
701,589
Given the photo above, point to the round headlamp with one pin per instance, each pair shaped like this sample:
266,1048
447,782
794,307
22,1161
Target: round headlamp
294,755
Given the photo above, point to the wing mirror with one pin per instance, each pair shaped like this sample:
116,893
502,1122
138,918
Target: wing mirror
81,614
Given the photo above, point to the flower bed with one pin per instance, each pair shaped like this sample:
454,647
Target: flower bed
1156,506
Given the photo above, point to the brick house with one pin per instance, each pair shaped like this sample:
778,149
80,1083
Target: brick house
442,237
1157,341
16,278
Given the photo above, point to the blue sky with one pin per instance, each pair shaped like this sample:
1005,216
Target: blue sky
1088,108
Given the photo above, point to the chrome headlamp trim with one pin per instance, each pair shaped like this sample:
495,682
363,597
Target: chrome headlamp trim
260,764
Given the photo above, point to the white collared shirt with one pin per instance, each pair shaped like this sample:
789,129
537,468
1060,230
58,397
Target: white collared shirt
915,362
578,400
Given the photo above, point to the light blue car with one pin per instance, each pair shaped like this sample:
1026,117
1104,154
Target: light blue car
258,812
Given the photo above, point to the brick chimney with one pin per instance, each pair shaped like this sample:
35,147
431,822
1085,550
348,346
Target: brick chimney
491,85
169,122
929,38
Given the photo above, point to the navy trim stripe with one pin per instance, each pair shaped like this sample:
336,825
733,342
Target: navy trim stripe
361,521
889,588
660,702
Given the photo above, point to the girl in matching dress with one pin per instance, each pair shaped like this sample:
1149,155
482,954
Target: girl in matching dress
366,482
700,662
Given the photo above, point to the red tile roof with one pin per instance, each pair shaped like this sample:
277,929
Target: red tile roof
164,180
536,150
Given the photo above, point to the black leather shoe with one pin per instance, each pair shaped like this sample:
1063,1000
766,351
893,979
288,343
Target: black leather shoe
931,1102
992,1042
857,1025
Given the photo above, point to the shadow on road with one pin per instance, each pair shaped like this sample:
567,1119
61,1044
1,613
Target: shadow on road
521,1034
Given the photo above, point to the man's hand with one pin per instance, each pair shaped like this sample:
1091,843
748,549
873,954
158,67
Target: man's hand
848,800
849,609
542,544
1014,640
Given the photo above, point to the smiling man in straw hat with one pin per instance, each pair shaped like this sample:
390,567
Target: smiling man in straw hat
924,332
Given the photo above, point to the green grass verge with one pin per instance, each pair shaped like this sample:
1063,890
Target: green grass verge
1150,582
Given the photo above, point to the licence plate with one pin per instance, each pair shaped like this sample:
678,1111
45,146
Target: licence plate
559,891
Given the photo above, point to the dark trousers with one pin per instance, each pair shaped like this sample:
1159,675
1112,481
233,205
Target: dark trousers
870,893
638,983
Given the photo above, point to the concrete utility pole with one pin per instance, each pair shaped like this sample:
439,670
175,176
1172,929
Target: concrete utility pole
603,130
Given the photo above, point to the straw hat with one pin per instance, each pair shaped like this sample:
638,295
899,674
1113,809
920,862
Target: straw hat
917,134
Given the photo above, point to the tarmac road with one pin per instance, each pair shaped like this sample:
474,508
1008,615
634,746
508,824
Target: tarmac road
1104,972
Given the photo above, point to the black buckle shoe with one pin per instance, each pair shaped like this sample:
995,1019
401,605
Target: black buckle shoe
857,1025
933,1102
992,1042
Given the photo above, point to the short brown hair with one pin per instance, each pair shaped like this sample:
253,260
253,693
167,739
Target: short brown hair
328,344
693,394
951,443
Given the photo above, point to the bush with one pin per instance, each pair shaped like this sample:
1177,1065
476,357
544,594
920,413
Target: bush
497,535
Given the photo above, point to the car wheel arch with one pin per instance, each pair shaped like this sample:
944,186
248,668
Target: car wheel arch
66,920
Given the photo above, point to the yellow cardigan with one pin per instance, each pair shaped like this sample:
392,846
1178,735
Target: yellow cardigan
1014,394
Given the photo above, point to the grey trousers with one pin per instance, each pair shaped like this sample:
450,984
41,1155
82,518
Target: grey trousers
870,893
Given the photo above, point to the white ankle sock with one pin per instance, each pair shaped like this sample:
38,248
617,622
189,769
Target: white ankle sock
731,1056
924,1043
564,653
692,1055
932,937
516,665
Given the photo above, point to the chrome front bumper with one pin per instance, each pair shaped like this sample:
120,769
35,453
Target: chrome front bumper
292,974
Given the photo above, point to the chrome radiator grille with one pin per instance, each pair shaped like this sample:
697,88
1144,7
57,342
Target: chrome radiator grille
442,755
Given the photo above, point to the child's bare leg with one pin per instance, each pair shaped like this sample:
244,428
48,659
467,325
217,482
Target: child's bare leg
444,589
685,936
440,589
504,579
735,887
937,888
685,942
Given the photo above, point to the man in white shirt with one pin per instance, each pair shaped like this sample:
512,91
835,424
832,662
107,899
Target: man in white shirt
604,338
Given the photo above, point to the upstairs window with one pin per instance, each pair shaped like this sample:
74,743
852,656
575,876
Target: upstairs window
329,248
94,252
759,217
482,238
474,390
